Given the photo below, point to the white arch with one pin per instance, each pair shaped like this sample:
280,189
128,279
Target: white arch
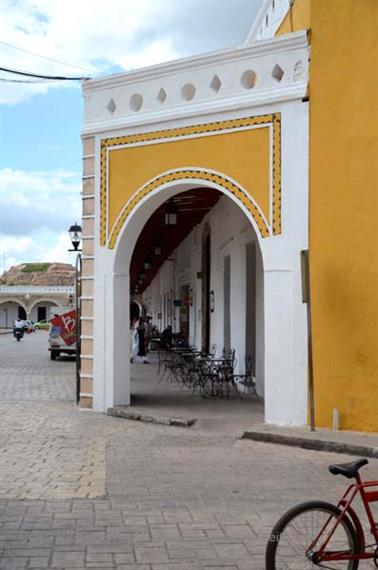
284,364
124,247
194,177
137,218
44,300
13,300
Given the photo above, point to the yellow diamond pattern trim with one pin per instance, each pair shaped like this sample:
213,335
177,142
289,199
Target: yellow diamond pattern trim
228,125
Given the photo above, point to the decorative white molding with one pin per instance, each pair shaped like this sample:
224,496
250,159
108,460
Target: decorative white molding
189,85
268,20
36,289
86,196
88,156
86,356
86,337
88,217
87,176
89,376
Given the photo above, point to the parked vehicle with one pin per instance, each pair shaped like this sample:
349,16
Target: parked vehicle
43,324
62,332
28,326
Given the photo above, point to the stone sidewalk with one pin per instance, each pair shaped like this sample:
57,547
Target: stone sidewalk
83,490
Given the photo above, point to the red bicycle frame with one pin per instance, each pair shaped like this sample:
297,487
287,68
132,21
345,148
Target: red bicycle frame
367,496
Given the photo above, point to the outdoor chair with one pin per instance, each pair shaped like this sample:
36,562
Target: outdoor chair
246,379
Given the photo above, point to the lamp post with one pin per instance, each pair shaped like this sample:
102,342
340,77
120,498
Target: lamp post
75,232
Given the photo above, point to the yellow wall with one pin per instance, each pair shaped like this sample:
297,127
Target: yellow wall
243,155
246,151
343,210
298,18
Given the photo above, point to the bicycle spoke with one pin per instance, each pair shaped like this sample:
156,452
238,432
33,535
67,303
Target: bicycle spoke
297,531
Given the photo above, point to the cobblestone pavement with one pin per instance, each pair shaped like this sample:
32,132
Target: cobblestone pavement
27,373
175,499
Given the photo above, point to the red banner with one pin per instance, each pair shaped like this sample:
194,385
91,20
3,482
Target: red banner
66,324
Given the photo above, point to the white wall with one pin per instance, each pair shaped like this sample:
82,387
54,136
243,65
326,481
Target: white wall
8,314
34,312
230,231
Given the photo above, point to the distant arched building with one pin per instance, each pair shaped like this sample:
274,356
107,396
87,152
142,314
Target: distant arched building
32,302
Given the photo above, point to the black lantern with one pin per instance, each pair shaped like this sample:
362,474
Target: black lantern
171,213
147,265
75,232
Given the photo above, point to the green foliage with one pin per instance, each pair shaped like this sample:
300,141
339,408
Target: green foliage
30,267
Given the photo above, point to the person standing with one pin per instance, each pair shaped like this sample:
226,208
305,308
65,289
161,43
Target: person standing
134,341
142,355
148,332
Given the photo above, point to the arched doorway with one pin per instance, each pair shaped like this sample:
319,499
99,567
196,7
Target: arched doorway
282,358
10,310
41,308
135,310
124,282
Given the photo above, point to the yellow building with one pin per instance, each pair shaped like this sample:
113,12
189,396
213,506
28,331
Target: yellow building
275,142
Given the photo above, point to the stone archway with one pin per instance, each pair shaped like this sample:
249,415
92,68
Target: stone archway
278,361
34,304
9,310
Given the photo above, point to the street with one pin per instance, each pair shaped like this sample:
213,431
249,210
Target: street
85,490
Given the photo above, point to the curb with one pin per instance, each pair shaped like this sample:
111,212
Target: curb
314,444
141,417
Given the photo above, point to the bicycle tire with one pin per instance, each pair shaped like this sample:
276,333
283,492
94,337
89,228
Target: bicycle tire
299,560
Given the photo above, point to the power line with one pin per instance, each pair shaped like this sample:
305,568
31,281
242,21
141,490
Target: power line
38,81
39,76
49,58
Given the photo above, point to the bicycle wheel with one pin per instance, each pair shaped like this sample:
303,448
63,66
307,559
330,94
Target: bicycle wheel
299,527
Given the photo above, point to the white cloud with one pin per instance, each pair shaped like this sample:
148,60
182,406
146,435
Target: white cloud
40,246
14,245
31,200
37,208
120,33
59,251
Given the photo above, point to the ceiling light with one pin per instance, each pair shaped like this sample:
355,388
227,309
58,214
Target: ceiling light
171,213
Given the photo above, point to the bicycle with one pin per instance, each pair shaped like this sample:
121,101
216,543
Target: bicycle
317,534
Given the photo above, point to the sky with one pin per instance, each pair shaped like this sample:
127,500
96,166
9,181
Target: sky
40,123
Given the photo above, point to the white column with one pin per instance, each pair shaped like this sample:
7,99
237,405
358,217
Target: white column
285,392
121,339
111,341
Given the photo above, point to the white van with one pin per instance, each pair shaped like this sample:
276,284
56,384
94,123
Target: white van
62,331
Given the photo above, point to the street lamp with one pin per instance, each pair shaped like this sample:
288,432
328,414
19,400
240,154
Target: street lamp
75,232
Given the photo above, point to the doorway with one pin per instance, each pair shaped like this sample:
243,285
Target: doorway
227,302
21,313
41,313
184,312
206,275
250,313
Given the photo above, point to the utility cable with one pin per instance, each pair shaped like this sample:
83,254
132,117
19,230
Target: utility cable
49,58
38,81
39,76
